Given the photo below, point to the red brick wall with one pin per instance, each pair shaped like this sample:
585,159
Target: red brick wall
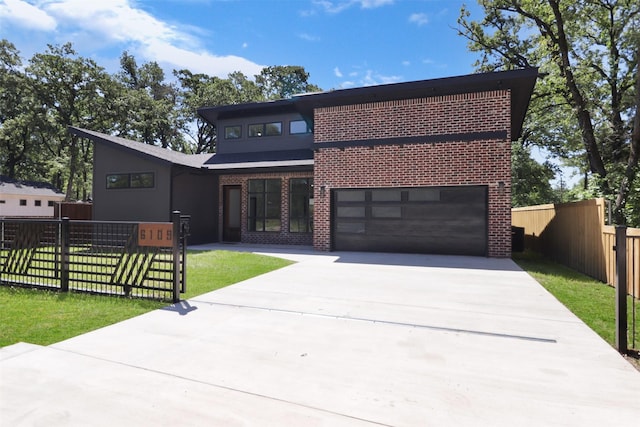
283,237
485,162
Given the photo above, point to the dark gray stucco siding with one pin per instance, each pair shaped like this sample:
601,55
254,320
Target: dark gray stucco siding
245,144
139,204
196,194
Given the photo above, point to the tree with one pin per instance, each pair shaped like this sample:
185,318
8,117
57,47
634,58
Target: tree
530,180
148,106
586,106
68,90
200,90
284,81
14,127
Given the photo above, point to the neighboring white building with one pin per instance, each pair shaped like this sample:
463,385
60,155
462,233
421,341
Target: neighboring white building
28,199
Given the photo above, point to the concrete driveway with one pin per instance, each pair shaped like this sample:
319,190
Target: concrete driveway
338,339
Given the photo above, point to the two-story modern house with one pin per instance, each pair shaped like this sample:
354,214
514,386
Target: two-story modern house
408,167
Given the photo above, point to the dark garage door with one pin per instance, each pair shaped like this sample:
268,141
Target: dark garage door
435,220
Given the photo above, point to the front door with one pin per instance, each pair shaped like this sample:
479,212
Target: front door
231,214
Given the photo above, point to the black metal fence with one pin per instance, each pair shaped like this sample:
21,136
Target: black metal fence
144,260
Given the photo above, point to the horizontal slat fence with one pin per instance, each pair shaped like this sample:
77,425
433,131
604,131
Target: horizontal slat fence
574,234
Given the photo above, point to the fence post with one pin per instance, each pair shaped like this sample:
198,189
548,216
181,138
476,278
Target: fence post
64,255
175,219
621,288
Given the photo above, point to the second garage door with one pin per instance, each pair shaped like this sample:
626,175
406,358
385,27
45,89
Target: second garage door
436,220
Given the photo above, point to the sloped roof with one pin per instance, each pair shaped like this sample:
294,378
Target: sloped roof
519,82
159,153
28,188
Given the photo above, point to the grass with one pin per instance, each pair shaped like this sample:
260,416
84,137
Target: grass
45,317
590,300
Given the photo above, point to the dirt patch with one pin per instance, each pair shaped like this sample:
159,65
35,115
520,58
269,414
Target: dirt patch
633,357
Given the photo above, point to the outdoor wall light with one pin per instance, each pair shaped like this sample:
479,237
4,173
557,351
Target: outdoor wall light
323,188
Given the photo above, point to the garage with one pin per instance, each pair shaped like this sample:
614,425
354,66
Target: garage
433,220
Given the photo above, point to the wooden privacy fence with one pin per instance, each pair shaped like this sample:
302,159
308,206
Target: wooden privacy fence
575,234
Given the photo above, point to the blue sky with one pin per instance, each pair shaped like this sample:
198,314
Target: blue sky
341,43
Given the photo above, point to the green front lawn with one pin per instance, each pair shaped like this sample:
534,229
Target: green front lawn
46,317
590,300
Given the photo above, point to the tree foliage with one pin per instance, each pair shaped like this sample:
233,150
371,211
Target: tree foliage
530,180
586,104
58,88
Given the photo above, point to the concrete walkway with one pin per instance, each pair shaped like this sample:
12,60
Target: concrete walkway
337,339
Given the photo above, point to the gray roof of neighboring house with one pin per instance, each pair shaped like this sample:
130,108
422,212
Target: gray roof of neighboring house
163,154
28,188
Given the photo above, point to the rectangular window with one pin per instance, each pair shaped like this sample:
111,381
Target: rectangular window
297,127
265,129
142,180
2,202
130,180
120,180
232,132
23,202
301,205
264,205
50,203
256,130
273,129
37,202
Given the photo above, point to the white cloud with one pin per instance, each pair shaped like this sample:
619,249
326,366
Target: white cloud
119,23
199,62
245,45
26,15
308,37
339,6
419,19
336,72
406,63
371,4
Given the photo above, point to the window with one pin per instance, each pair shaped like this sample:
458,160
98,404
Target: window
130,180
142,180
37,202
265,129
120,180
23,202
298,127
264,205
301,205
2,202
233,132
50,203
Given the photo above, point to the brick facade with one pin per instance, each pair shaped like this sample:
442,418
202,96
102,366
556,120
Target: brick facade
417,163
283,237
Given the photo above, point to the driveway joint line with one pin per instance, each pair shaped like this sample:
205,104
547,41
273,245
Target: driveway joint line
224,387
389,322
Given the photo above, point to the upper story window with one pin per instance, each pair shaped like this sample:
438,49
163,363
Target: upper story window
37,202
130,180
50,203
297,127
233,132
23,202
265,129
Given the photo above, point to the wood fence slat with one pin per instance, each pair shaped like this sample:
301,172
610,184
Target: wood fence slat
575,234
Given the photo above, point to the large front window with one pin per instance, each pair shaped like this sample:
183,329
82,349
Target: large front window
264,205
301,205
